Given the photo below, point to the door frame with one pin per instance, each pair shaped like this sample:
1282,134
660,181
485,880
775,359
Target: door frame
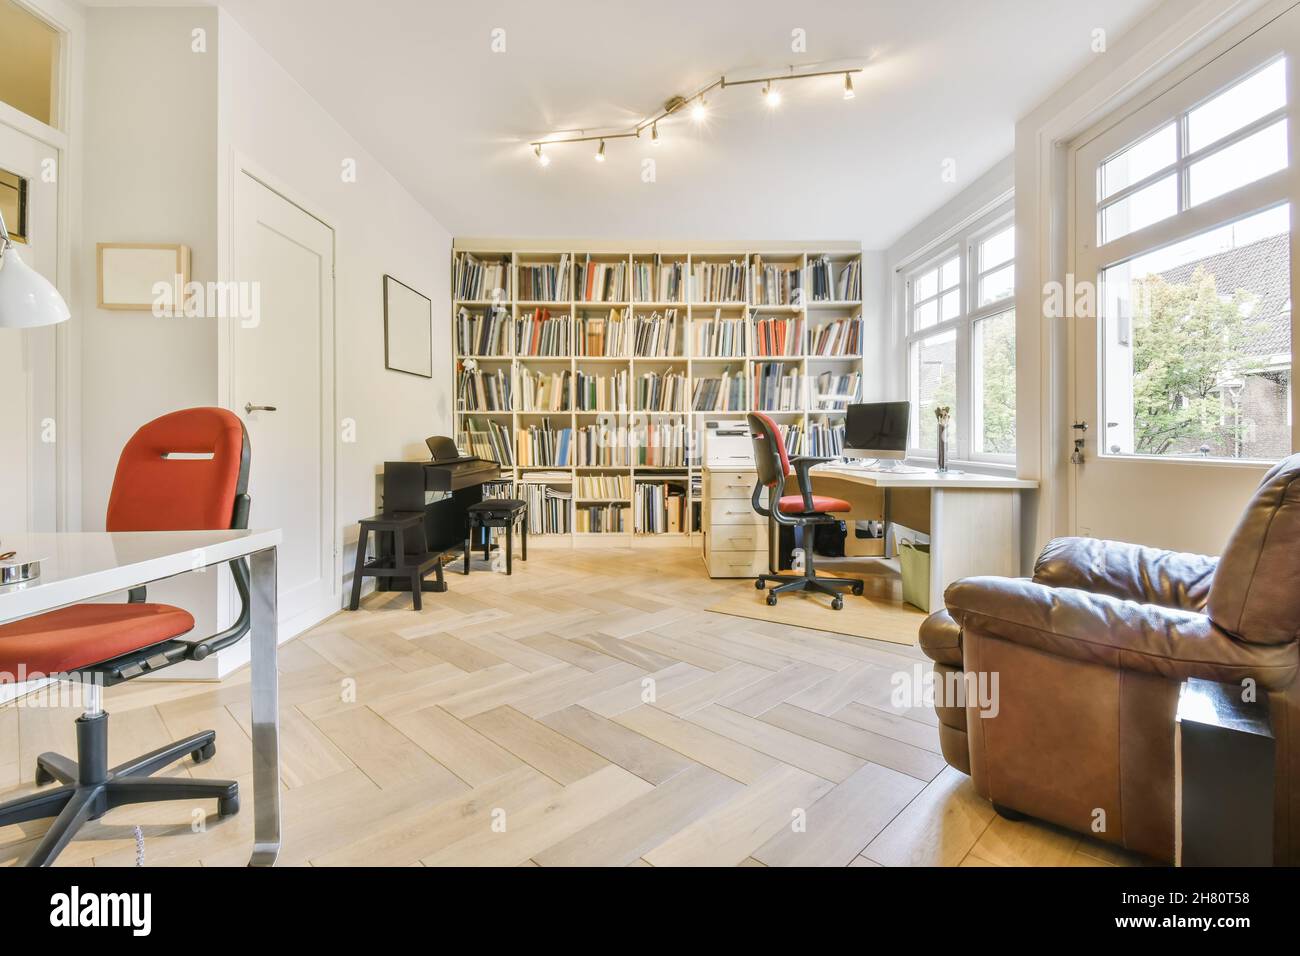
237,164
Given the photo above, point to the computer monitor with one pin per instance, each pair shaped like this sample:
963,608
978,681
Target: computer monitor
877,430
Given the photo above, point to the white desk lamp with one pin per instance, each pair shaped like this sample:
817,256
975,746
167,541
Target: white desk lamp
27,298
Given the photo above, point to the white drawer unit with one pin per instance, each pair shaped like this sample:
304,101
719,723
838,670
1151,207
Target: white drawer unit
735,535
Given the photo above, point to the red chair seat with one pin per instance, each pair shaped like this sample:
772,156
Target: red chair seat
822,504
84,634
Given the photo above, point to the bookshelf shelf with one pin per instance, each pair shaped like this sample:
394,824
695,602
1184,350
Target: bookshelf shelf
494,290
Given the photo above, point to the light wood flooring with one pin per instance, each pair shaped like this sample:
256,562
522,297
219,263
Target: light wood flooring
585,711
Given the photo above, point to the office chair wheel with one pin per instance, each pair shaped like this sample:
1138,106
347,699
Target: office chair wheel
206,752
228,806
771,600
837,603
759,584
858,588
43,776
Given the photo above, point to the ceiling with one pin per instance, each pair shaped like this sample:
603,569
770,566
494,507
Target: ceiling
417,82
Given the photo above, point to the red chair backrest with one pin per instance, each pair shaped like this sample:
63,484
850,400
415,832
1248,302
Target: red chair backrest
152,492
770,457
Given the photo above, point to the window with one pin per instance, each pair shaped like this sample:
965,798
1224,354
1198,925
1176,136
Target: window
29,63
961,341
1195,321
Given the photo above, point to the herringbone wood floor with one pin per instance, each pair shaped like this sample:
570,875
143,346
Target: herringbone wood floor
519,701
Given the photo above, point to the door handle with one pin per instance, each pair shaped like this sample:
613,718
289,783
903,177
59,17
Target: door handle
249,408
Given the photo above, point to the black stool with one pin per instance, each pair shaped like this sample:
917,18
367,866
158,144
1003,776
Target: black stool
497,513
404,563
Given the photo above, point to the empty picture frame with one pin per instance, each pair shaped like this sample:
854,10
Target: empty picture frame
408,329
130,271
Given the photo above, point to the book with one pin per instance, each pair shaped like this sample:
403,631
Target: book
480,279
777,387
842,337
544,445
718,337
831,283
657,335
542,333
605,487
659,508
776,284
545,281
726,393
833,391
661,392
601,281
483,333
654,280
542,391
779,336
603,336
482,391
603,393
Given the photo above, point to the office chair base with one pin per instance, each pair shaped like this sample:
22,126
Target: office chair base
90,788
787,583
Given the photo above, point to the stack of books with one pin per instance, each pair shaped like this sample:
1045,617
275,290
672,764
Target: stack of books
778,336
793,436
660,508
545,282
601,336
777,285
777,387
540,391
602,519
485,391
548,507
831,283
603,393
478,280
724,394
834,392
483,333
841,337
663,444
718,337
825,440
601,281
604,444
656,335
544,445
718,282
542,334
605,487
490,440
656,281
661,392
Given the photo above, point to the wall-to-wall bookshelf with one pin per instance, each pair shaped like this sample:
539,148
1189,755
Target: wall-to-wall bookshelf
589,369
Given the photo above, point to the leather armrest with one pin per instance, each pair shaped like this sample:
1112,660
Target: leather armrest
940,639
1123,635
1127,571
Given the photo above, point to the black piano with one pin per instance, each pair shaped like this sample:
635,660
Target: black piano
443,488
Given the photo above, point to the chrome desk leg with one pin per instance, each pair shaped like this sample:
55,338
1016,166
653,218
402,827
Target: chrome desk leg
266,711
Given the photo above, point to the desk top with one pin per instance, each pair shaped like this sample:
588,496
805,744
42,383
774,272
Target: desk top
966,480
78,566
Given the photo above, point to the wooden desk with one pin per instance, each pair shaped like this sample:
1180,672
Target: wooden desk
973,520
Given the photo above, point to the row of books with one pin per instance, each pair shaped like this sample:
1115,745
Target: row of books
543,391
779,336
542,334
666,444
660,508
831,282
656,335
718,337
548,508
483,333
834,391
777,387
726,393
604,393
841,337
661,392
545,281
825,440
478,279
604,445
544,445
602,519
486,391
602,487
604,336
657,281
718,282
777,285
601,281
490,440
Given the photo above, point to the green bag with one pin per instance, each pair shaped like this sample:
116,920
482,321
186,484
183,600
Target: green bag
914,559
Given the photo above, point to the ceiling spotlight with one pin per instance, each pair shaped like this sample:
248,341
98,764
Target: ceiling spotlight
770,95
600,153
699,110
654,133
542,158
848,86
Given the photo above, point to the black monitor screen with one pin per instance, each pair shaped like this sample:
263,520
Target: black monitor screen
878,426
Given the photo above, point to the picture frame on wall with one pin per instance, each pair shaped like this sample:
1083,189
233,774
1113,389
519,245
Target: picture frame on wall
129,275
408,329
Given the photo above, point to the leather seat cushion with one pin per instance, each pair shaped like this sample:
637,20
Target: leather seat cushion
822,504
85,634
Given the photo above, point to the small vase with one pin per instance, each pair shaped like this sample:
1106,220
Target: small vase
943,448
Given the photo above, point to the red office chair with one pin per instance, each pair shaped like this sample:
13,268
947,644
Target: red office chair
803,511
100,645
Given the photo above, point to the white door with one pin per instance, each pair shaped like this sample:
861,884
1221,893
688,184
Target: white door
28,429
1185,221
282,386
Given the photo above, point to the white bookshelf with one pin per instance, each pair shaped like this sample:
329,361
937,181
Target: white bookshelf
803,410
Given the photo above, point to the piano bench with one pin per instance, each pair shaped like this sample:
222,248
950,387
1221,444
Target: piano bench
497,513
407,528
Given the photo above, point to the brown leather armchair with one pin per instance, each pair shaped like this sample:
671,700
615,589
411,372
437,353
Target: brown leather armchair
1089,655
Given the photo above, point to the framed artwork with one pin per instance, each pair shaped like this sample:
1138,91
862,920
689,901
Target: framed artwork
408,329
130,271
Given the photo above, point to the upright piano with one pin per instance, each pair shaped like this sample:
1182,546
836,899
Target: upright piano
443,488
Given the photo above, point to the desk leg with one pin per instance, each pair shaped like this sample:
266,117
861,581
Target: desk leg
266,711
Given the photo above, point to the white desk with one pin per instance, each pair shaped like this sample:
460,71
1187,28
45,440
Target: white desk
84,566
973,520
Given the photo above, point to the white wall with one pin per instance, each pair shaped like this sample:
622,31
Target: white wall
270,124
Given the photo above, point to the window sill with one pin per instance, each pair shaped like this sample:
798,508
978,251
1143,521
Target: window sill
1001,469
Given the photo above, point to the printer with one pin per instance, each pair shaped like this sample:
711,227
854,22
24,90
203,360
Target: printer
727,445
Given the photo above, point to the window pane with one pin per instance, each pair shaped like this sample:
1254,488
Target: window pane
951,305
1238,106
1158,201
997,249
1144,158
1241,163
926,286
998,285
951,273
1196,349
934,383
926,315
993,364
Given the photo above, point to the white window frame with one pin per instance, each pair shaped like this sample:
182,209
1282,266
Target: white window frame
965,244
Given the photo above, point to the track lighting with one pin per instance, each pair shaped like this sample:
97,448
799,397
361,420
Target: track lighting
600,153
542,158
770,95
700,110
848,86
654,134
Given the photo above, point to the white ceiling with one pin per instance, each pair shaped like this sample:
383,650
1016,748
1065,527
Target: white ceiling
417,83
